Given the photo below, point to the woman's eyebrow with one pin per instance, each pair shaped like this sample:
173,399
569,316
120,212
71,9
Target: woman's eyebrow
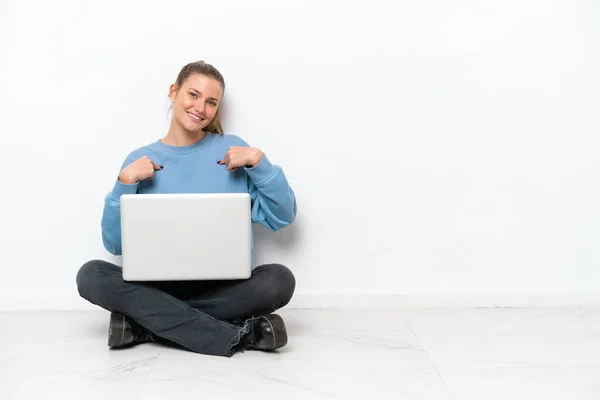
199,92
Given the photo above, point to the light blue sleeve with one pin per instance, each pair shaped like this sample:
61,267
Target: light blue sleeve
111,215
273,200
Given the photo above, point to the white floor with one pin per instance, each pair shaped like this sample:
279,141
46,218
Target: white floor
461,354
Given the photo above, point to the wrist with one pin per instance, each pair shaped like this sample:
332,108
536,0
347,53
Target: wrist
257,155
126,179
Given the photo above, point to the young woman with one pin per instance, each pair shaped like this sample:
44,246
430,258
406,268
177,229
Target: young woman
207,317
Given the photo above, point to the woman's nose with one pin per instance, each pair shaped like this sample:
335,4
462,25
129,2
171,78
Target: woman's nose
199,106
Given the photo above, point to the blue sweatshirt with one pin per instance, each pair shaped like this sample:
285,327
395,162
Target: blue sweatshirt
194,169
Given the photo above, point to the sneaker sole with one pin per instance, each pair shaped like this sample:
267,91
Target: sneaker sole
279,331
116,330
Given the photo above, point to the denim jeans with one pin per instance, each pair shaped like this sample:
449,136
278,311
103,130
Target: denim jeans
206,317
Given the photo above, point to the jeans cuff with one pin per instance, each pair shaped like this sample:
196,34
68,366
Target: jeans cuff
237,342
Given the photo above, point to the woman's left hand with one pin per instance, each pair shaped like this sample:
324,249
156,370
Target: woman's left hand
238,156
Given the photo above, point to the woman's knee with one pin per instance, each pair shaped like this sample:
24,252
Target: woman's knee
281,283
92,276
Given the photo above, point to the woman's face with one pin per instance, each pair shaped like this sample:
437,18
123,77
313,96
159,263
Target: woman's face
196,102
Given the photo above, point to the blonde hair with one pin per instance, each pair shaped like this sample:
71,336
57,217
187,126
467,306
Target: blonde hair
202,68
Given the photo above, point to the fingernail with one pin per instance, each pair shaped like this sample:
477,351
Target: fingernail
161,167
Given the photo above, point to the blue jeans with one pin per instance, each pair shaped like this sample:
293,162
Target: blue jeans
205,317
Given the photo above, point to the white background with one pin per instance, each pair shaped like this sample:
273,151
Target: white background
434,147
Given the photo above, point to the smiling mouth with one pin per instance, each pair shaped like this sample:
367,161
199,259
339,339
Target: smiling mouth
195,117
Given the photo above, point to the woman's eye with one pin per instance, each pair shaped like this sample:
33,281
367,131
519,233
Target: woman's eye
194,95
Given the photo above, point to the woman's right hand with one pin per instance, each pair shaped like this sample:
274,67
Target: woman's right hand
139,170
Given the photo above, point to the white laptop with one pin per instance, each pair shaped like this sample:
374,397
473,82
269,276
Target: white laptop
186,236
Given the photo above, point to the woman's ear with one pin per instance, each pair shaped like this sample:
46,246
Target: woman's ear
172,92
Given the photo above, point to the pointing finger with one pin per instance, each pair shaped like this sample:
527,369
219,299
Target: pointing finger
225,160
155,165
